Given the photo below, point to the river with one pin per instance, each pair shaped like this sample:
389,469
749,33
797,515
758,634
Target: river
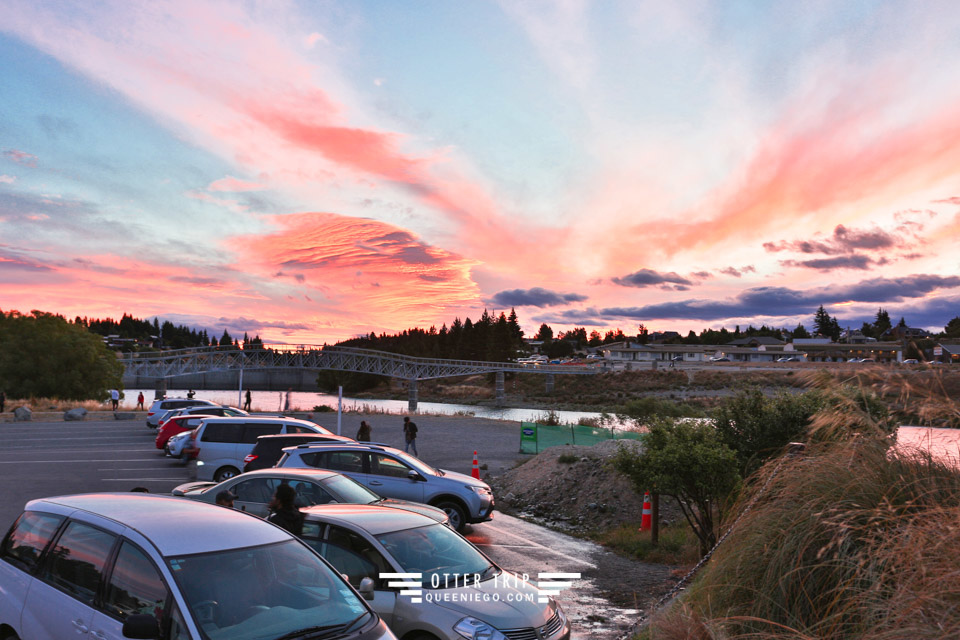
307,400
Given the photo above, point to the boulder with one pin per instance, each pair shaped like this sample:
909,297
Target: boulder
22,414
78,413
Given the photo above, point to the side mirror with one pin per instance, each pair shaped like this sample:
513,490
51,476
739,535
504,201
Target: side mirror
142,626
366,588
413,475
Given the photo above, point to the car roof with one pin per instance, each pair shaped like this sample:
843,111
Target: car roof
289,436
372,518
174,525
290,472
262,419
347,444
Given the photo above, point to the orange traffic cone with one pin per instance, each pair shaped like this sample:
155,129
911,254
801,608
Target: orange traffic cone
646,520
475,472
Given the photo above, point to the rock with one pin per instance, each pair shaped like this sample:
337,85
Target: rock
124,415
22,414
78,413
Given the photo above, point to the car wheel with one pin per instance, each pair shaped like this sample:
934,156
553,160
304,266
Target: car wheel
225,473
458,518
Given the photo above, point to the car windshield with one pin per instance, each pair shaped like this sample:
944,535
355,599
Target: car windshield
350,491
441,556
264,592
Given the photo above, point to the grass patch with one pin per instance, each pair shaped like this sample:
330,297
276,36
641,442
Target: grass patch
567,458
678,545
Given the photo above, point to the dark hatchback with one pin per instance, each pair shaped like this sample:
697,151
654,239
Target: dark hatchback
268,449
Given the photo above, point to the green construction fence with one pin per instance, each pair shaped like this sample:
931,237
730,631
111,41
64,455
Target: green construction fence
534,437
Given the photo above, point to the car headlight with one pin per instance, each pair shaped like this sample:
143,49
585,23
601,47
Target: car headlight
483,491
475,629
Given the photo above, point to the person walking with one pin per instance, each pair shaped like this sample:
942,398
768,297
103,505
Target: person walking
363,435
410,435
115,399
190,394
283,511
246,401
140,401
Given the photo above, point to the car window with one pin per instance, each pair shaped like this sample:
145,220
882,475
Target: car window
77,560
351,554
258,490
384,465
346,461
29,537
253,431
221,432
295,428
135,586
310,493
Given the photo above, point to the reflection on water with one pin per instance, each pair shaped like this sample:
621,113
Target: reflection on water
306,401
943,444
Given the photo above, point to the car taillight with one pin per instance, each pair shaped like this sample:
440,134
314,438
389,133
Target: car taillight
249,458
150,413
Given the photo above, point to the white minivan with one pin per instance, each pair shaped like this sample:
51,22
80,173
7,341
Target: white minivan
220,444
133,565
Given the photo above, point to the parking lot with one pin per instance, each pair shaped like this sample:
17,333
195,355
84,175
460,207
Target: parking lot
40,459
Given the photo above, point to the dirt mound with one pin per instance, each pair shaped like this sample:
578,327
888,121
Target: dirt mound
573,488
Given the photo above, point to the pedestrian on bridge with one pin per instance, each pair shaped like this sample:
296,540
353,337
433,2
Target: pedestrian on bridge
410,435
246,401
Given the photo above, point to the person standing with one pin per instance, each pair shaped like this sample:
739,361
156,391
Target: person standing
410,435
140,401
115,399
286,402
246,401
225,499
190,394
283,511
363,435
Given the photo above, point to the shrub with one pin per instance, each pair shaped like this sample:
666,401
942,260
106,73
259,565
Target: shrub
567,458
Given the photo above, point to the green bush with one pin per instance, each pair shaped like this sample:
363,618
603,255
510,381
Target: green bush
642,410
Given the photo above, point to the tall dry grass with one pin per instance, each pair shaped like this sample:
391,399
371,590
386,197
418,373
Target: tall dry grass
852,540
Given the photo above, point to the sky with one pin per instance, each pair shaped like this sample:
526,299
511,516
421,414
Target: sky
312,171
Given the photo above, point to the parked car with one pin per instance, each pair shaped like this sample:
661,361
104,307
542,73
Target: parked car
719,359
676,359
159,407
911,361
788,359
255,489
130,565
467,594
268,449
392,473
221,444
216,410
175,425
179,446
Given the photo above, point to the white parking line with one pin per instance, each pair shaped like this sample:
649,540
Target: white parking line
136,479
76,461
544,547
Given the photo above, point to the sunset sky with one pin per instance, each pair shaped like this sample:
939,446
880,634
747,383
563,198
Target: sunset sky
312,171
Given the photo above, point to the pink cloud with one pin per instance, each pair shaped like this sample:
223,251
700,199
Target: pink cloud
5,179
21,157
229,183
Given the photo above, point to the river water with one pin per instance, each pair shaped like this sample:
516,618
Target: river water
307,400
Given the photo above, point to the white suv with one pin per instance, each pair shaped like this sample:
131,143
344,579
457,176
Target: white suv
159,407
131,565
392,473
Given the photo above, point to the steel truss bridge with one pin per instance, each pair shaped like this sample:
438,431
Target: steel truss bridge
170,364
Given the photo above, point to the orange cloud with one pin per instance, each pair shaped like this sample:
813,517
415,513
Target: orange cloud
809,174
369,271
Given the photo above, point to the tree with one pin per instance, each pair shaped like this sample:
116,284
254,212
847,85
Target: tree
643,335
545,333
800,332
757,427
952,330
881,324
825,325
44,356
686,461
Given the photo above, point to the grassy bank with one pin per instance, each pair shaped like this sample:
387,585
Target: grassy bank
852,540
